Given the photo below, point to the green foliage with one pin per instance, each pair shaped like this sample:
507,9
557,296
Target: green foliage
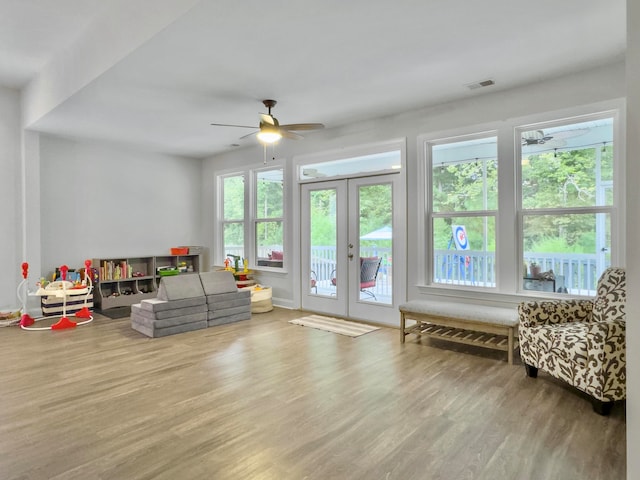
269,234
269,197
464,187
557,179
233,197
323,217
479,230
560,179
233,235
375,207
460,187
375,212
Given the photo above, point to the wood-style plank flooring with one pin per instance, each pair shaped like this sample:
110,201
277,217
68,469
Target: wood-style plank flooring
264,399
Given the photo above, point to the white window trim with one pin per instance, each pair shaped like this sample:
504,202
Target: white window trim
431,215
250,195
254,220
508,237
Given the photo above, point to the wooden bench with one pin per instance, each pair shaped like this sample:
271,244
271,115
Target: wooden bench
480,325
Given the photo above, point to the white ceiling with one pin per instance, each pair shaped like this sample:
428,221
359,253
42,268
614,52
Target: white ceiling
333,61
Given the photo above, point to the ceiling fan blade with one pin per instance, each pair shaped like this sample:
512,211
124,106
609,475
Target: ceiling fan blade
302,126
290,135
228,125
249,134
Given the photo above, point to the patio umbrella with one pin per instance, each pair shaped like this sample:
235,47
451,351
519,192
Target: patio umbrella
383,233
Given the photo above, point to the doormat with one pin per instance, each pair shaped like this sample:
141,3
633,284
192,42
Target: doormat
116,312
335,325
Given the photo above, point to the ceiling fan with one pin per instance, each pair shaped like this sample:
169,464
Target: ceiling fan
270,131
535,137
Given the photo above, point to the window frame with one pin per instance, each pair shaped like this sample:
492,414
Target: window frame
610,210
256,219
432,215
250,219
222,221
508,221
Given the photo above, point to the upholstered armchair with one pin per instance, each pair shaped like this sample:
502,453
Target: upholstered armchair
580,341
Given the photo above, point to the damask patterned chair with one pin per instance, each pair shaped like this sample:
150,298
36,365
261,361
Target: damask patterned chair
580,341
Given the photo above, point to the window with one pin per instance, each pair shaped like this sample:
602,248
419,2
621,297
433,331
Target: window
269,217
463,209
233,215
567,200
252,229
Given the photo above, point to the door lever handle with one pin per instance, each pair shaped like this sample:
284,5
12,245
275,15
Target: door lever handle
350,256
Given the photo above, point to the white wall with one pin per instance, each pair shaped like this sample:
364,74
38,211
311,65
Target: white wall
99,200
10,196
121,28
633,233
578,89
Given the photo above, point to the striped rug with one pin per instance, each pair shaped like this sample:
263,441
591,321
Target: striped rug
335,325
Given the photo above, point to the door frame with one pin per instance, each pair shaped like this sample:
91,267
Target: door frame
347,303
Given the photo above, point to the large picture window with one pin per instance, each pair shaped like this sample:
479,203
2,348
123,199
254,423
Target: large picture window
553,225
567,199
464,202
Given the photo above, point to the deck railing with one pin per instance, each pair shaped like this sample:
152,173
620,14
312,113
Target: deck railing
577,273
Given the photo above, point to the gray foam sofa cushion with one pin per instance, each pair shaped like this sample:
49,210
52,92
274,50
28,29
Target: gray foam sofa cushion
154,332
180,287
168,322
230,319
174,313
156,305
225,312
220,281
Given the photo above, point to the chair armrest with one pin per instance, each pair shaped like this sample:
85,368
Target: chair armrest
607,337
606,350
536,313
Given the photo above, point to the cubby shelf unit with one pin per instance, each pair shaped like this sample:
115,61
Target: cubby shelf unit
123,281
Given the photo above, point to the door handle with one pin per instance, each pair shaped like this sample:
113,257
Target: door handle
351,245
350,256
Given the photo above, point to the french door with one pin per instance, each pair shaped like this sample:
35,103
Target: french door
353,247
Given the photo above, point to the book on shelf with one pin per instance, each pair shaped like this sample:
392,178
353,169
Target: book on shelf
110,270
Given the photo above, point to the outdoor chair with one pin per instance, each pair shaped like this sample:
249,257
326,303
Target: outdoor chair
314,281
580,341
369,267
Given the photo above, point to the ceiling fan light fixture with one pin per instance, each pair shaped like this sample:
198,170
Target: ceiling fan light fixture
269,134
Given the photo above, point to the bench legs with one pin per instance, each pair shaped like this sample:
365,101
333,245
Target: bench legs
509,332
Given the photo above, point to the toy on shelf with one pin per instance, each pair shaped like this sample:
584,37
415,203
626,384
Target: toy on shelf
62,289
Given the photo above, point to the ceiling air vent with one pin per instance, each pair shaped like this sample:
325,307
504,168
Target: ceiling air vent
483,83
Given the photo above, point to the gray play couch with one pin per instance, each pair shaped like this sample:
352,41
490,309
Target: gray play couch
191,302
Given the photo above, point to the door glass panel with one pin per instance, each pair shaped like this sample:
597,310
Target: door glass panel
323,242
375,219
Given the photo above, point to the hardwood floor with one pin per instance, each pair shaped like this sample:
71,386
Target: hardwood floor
264,399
